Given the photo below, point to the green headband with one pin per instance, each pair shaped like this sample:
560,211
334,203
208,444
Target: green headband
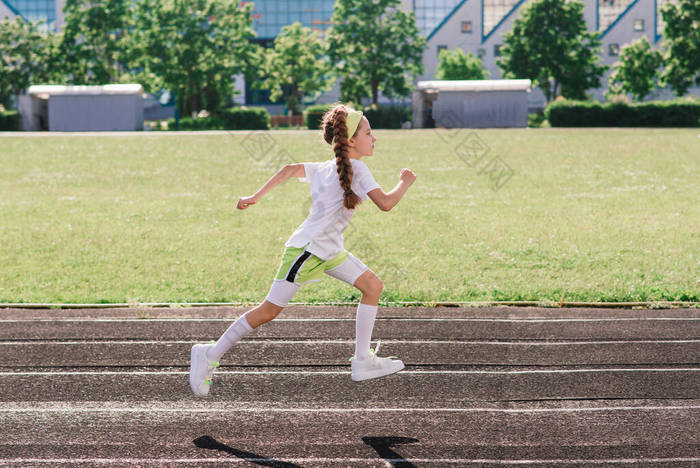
352,121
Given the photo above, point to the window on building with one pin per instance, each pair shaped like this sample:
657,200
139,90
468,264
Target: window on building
639,25
429,13
481,52
494,12
270,16
466,27
35,10
614,49
497,50
441,47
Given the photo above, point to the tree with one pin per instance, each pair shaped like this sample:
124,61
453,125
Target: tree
296,65
682,44
637,71
550,44
95,41
374,46
193,48
25,55
456,65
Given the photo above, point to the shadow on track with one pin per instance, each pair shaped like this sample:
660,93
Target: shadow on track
383,447
208,442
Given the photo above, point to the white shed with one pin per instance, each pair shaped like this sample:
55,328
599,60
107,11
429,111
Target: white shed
82,108
471,103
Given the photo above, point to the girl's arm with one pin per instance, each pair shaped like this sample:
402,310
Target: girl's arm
288,171
386,201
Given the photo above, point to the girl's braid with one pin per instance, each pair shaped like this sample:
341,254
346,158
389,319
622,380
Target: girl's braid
334,125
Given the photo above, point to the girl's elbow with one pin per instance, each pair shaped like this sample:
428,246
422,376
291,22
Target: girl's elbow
381,200
287,171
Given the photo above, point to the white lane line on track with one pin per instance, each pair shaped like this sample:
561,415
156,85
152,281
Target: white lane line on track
412,372
371,461
316,342
228,320
347,410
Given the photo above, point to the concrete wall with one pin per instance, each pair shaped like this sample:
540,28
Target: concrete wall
33,113
483,109
85,113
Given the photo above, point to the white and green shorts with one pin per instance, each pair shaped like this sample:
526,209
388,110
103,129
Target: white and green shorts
299,267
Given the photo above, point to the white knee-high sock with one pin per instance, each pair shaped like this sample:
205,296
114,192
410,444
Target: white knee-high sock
364,324
234,333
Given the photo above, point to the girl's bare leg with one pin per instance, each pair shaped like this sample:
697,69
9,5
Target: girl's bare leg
263,313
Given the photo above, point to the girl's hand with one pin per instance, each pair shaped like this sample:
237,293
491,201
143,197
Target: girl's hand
407,176
245,202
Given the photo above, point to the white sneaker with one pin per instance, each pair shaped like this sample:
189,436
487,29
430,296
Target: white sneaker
201,369
373,366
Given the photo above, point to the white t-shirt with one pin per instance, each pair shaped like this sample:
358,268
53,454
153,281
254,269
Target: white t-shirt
323,228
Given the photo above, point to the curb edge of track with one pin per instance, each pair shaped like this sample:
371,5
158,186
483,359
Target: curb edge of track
475,304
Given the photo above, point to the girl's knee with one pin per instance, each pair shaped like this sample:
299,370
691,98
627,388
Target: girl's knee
369,283
377,285
272,311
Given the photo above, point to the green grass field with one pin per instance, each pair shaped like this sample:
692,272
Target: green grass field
588,215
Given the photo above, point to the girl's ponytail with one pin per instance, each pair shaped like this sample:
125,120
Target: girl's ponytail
335,132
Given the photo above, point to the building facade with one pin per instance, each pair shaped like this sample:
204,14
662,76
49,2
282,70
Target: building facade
476,26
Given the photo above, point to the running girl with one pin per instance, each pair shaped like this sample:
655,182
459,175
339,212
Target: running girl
316,247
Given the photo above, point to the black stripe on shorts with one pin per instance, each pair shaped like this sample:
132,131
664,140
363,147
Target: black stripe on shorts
291,276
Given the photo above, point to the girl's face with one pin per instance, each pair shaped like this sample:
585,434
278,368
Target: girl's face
362,144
